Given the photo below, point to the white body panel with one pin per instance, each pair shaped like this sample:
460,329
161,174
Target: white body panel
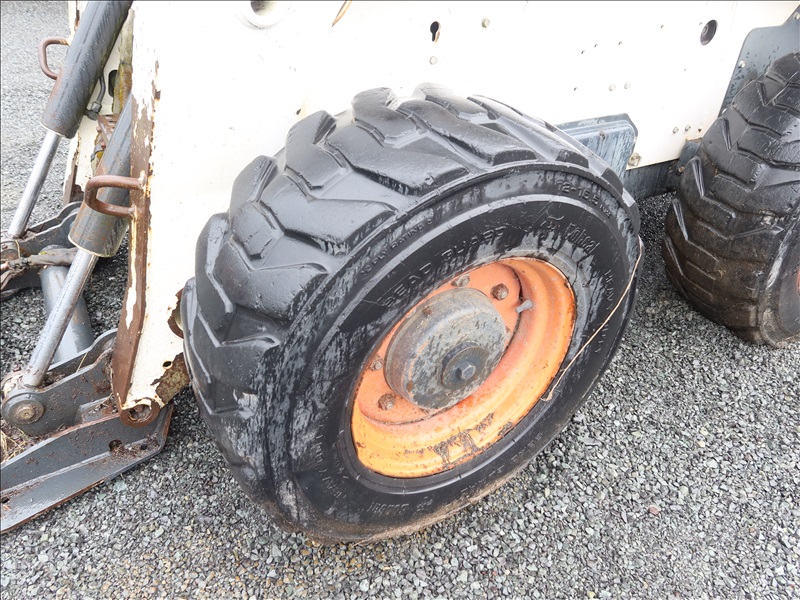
228,90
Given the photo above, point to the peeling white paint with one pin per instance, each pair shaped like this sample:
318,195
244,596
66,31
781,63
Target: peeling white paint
230,91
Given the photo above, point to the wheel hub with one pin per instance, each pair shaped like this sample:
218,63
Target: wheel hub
446,349
449,380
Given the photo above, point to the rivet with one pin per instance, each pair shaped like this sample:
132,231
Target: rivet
376,365
612,87
675,130
485,23
741,64
434,60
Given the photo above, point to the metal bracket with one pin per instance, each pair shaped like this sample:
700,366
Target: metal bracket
43,45
66,465
611,138
81,381
99,182
52,232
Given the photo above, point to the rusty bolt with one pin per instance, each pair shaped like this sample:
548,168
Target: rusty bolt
377,364
140,412
386,402
27,411
500,291
461,281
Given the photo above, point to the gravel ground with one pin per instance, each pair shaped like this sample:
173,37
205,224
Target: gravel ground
679,478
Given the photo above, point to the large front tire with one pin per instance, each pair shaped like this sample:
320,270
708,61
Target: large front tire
732,244
438,203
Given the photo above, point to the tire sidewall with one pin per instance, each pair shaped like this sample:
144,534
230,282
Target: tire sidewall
780,311
561,216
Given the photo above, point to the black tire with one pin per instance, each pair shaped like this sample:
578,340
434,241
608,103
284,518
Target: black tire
329,244
732,244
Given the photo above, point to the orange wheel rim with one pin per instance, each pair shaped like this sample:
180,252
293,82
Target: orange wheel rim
396,437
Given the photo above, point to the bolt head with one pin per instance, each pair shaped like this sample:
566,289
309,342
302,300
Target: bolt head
376,365
140,412
461,281
467,372
386,402
27,411
500,291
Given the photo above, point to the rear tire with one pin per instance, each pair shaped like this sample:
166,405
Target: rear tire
732,244
327,247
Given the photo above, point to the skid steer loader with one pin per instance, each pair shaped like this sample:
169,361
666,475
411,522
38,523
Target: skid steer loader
391,246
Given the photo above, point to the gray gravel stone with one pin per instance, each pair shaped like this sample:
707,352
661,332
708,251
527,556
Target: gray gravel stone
688,420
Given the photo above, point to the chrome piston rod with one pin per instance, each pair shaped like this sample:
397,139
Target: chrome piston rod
59,319
34,186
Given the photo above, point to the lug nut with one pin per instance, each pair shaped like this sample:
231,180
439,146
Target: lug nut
500,291
386,402
461,281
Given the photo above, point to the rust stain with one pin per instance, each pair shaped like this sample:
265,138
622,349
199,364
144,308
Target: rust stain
175,378
130,325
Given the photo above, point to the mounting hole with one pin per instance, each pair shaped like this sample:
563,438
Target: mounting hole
4,500
167,364
143,447
435,31
262,13
115,445
112,82
709,29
